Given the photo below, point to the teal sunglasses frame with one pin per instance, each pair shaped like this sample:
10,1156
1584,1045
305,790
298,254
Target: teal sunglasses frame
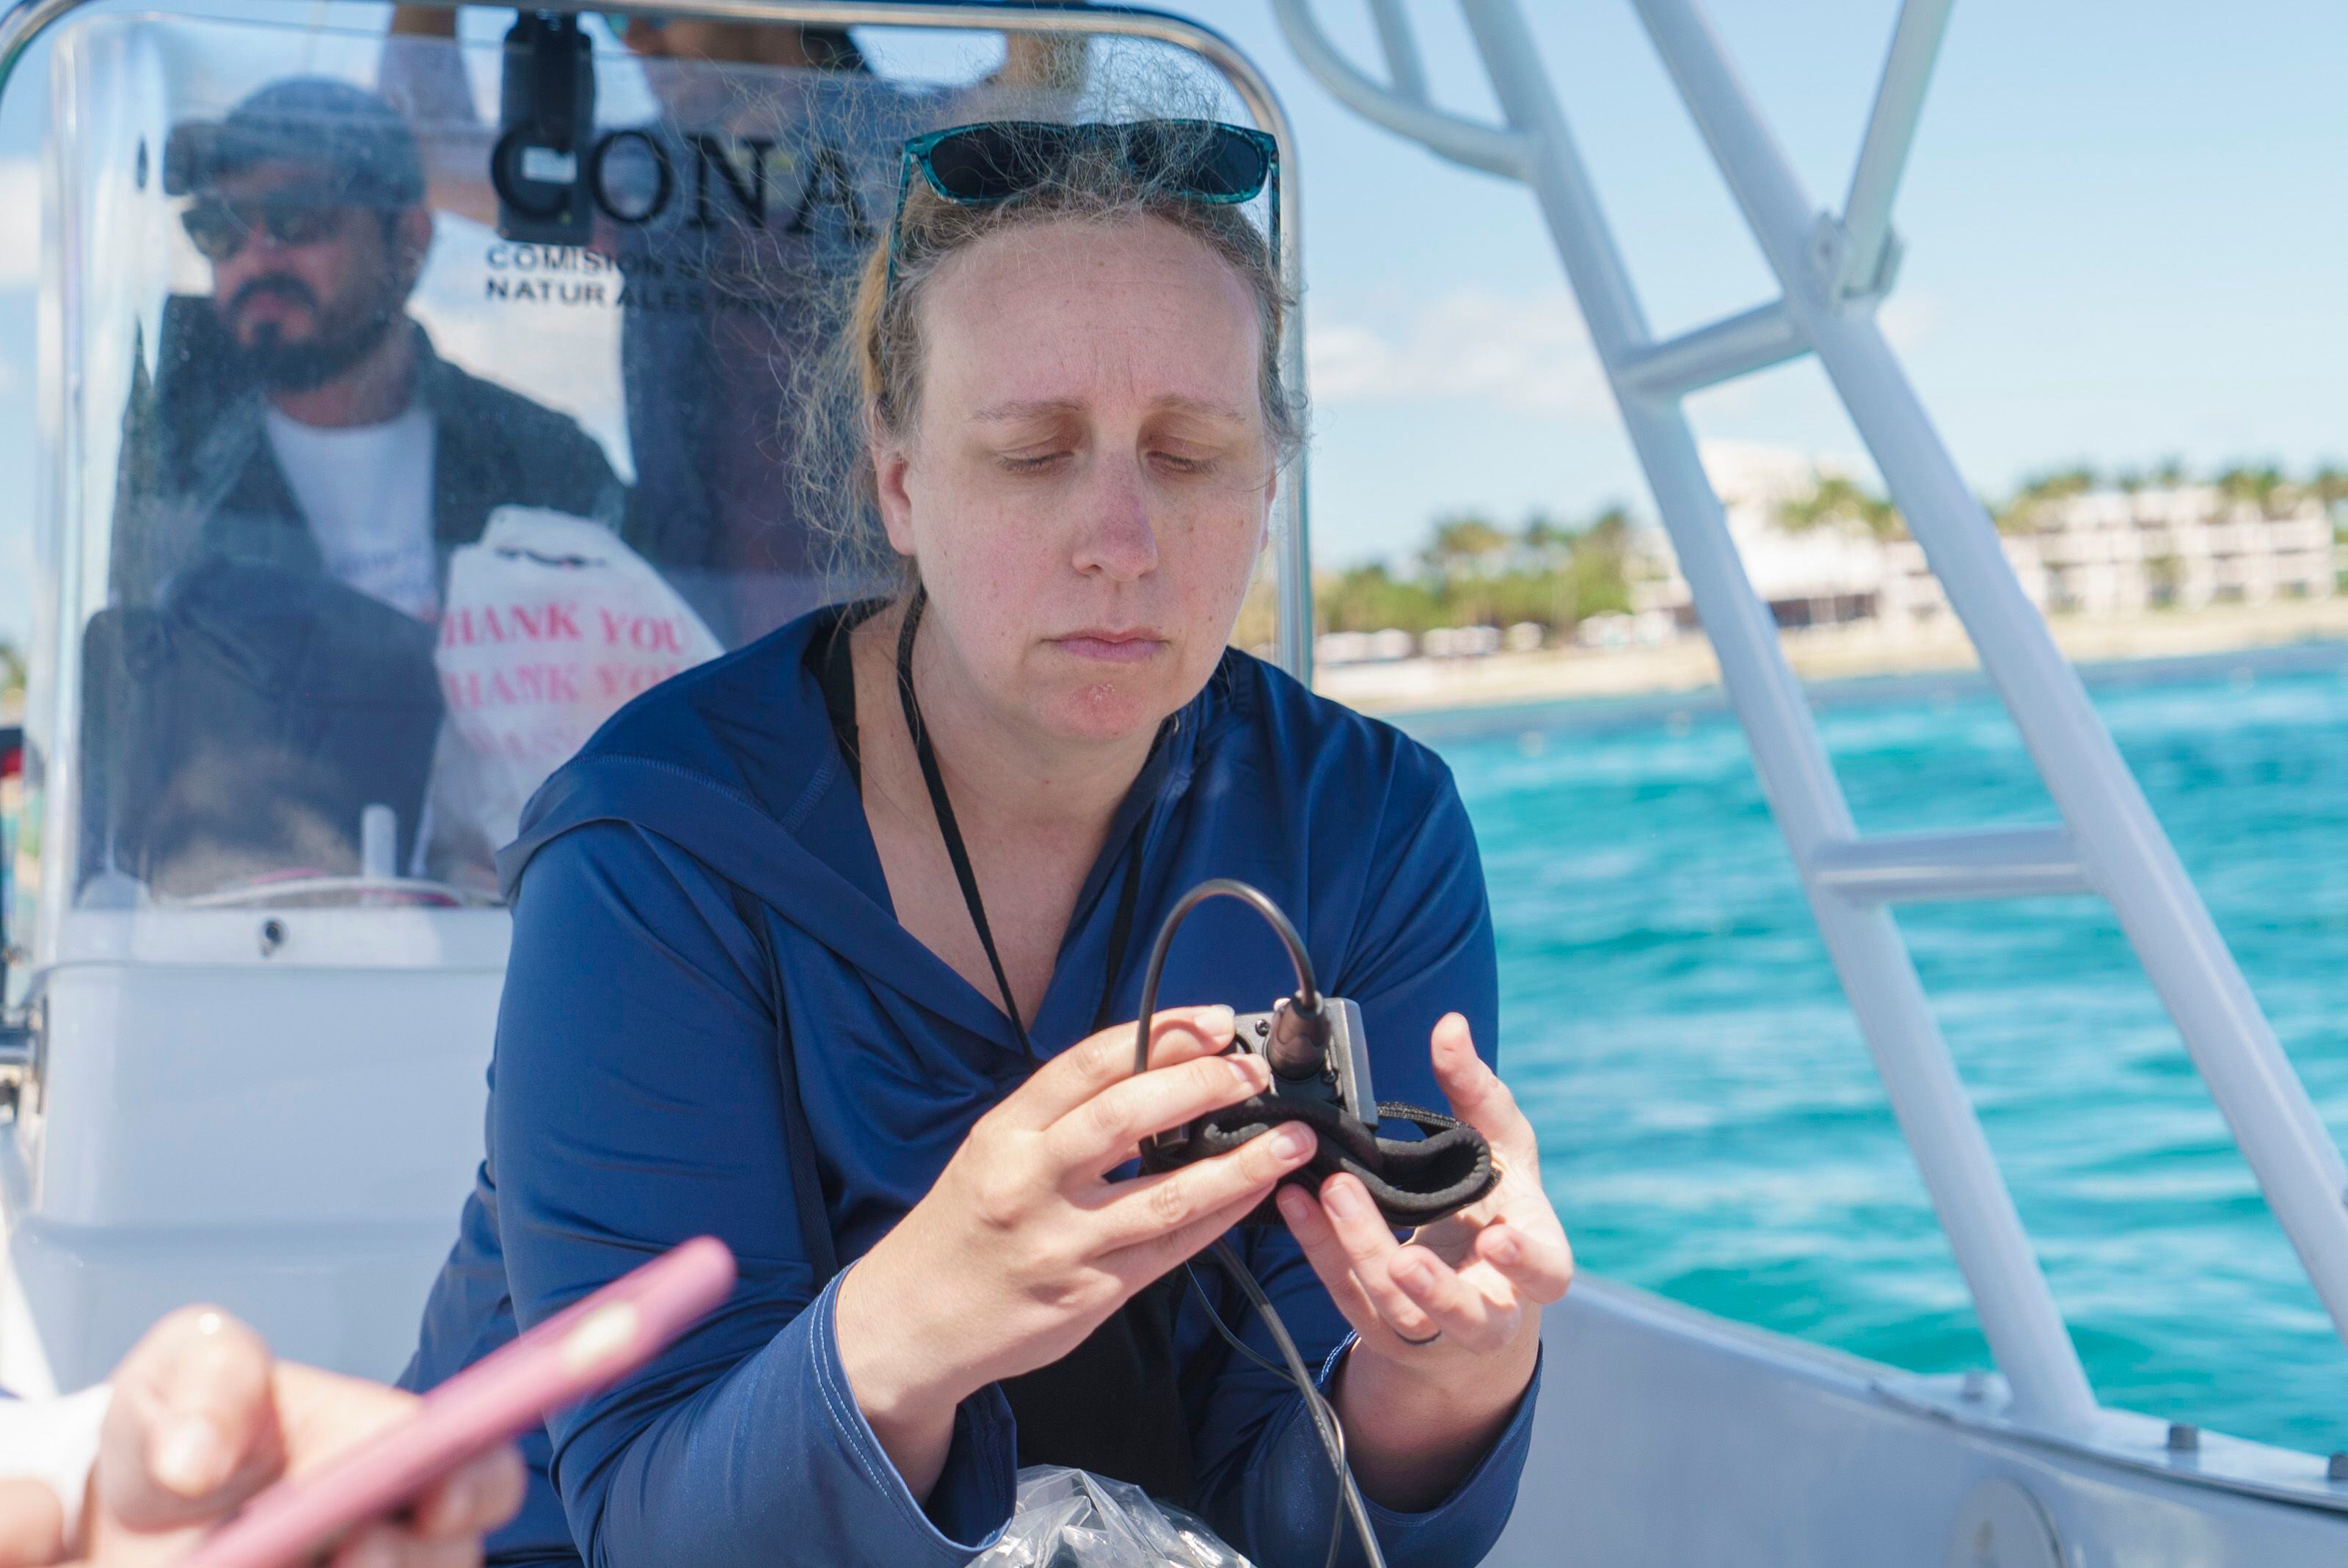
921,152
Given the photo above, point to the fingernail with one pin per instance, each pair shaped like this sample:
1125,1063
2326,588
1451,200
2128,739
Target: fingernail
1409,1269
1294,1141
1290,1203
1218,1020
1504,1248
187,1457
374,1552
459,1503
1250,1069
1340,1200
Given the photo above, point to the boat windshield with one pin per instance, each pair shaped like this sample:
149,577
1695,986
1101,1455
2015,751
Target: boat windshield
409,428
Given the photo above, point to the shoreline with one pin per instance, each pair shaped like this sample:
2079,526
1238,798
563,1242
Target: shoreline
1827,652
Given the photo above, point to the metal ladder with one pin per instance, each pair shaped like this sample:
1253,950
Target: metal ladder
1832,271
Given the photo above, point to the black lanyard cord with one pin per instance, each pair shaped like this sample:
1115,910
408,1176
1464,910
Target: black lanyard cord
948,829
1128,894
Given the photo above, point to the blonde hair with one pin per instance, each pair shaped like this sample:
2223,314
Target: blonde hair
881,338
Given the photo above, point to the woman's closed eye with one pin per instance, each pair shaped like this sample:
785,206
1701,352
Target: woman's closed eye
1178,459
1035,460
1183,460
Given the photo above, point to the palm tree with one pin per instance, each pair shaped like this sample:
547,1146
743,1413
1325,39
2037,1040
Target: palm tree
1609,531
1844,503
2020,513
1464,544
2263,487
1545,542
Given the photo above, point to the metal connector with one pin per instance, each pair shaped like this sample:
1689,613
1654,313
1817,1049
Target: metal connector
1343,1078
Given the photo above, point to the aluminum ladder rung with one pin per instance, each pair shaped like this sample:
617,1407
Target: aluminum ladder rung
1940,868
1723,351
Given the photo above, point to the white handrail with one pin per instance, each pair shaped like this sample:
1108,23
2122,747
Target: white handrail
1463,141
1891,131
1403,64
2111,843
1718,351
2017,1311
2120,842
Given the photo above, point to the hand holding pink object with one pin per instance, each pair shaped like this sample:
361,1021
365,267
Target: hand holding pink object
202,1421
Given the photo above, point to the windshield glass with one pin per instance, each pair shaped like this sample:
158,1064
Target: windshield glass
409,434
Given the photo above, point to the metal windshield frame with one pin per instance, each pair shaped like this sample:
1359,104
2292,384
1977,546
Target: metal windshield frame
27,20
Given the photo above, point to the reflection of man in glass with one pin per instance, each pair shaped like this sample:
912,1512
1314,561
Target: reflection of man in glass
296,473
301,420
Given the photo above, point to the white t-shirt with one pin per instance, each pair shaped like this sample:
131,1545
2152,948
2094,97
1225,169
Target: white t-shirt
367,492
54,1440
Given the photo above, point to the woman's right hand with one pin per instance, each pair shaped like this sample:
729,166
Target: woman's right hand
1023,1246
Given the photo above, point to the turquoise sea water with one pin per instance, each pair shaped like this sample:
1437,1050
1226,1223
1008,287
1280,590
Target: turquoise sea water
1712,1127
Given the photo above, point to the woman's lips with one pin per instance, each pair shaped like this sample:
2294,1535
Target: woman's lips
1110,648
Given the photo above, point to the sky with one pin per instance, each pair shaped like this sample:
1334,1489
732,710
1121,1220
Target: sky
2126,225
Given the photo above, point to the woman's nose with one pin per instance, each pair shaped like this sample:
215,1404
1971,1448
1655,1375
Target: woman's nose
1118,541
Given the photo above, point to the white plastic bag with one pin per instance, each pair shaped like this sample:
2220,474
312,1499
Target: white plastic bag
1073,1519
549,625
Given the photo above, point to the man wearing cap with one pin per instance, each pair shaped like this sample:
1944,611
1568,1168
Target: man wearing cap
300,419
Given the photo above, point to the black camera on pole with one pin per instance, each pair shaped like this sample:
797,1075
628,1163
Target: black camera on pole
546,118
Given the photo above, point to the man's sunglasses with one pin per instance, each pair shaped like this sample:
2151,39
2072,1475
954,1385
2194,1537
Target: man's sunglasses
220,229
1002,161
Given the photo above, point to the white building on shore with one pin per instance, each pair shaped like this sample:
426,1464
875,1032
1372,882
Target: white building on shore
2121,552
2102,552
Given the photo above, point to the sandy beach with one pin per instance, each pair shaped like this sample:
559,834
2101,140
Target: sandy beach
1863,649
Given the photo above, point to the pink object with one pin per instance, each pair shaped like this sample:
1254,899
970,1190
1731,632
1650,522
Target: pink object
561,1361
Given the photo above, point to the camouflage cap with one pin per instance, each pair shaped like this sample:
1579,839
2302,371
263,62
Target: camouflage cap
363,141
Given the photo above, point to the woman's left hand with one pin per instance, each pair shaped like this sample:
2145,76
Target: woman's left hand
1463,1294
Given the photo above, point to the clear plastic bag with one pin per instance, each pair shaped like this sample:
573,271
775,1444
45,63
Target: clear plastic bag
1074,1519
551,625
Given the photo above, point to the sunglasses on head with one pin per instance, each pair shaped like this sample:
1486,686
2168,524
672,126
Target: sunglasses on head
1002,161
220,228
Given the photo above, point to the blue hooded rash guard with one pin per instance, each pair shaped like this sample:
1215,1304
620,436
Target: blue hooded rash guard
637,1100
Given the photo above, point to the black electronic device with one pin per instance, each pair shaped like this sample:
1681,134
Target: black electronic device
1319,1054
1320,1060
1326,1058
539,166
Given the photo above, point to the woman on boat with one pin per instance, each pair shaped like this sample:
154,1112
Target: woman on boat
831,948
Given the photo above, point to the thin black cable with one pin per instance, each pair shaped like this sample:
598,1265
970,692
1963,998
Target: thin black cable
1308,991
1215,1317
1332,1434
1307,1002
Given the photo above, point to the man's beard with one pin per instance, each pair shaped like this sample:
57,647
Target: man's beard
299,366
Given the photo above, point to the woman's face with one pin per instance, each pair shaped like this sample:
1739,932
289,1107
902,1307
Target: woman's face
1088,484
